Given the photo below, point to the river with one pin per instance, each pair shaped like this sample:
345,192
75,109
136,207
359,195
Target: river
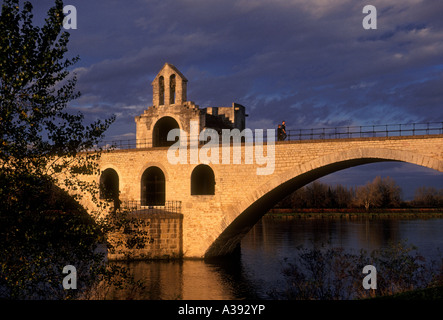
264,252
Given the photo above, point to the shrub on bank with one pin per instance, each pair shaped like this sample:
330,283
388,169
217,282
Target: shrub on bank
334,274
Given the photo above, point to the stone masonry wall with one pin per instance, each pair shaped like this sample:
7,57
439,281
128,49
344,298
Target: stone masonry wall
165,234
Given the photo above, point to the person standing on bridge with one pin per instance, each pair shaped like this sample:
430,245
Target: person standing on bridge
279,133
283,129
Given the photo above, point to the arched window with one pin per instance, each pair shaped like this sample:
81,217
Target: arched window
161,90
109,185
153,187
161,130
202,180
172,89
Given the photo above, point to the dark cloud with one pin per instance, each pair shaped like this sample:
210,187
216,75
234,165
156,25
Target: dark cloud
307,61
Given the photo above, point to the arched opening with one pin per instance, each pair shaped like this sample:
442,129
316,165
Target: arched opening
161,130
267,195
161,90
202,180
109,186
153,187
172,89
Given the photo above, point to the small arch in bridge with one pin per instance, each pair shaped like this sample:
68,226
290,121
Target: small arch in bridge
202,180
153,187
161,130
109,186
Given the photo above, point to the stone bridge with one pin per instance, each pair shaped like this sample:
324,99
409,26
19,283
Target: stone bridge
221,202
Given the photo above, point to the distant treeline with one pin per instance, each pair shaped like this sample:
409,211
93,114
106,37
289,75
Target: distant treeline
379,193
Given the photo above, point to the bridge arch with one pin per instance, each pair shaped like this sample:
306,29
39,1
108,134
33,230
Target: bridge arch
202,180
109,186
256,203
153,187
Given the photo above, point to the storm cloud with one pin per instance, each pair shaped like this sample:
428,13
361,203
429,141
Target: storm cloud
309,62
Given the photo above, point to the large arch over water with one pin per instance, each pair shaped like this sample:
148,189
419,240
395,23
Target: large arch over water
259,201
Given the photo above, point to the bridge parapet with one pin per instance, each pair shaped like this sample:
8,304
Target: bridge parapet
370,131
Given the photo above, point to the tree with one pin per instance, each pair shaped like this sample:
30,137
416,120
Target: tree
390,192
42,228
381,193
367,195
298,198
428,197
317,194
38,135
343,196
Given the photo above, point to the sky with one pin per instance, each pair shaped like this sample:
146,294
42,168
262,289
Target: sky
308,62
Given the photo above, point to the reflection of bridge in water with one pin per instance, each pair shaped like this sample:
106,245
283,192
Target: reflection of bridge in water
220,202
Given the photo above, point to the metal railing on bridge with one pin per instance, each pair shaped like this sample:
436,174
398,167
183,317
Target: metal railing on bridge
386,130
137,206
369,131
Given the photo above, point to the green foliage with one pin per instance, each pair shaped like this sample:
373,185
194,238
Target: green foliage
129,232
35,88
42,231
42,227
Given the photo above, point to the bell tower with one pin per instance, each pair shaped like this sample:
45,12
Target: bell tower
169,87
171,110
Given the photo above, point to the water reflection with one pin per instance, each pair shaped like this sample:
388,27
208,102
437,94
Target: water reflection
189,280
285,232
264,250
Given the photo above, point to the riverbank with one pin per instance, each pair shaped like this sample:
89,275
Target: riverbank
434,293
405,213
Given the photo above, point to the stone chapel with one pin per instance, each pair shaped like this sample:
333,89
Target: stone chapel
170,109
